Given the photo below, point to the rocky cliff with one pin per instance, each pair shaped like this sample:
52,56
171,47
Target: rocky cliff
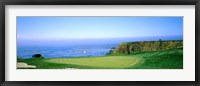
130,47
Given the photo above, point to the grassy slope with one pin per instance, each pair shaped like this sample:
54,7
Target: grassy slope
168,59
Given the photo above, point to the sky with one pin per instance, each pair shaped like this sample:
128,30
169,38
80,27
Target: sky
66,28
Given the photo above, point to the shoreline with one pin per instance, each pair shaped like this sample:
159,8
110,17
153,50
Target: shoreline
77,51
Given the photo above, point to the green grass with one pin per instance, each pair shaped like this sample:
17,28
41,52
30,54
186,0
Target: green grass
99,62
167,59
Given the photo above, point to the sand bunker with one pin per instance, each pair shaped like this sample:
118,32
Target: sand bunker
22,65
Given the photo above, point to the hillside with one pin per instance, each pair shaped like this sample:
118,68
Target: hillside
131,47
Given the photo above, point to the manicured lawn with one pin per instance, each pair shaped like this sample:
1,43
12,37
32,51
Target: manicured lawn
168,59
99,62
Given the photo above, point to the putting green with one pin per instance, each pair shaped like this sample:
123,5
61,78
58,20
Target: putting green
100,62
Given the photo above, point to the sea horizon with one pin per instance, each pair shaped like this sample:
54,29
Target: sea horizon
78,48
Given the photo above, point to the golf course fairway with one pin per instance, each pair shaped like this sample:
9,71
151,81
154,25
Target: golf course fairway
100,62
166,59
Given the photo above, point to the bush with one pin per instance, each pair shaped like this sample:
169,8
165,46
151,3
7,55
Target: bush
37,56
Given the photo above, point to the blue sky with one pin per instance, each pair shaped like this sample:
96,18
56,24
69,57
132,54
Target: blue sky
64,28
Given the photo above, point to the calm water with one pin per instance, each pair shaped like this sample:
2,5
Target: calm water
76,48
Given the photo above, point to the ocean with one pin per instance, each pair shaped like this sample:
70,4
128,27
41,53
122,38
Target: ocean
77,47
